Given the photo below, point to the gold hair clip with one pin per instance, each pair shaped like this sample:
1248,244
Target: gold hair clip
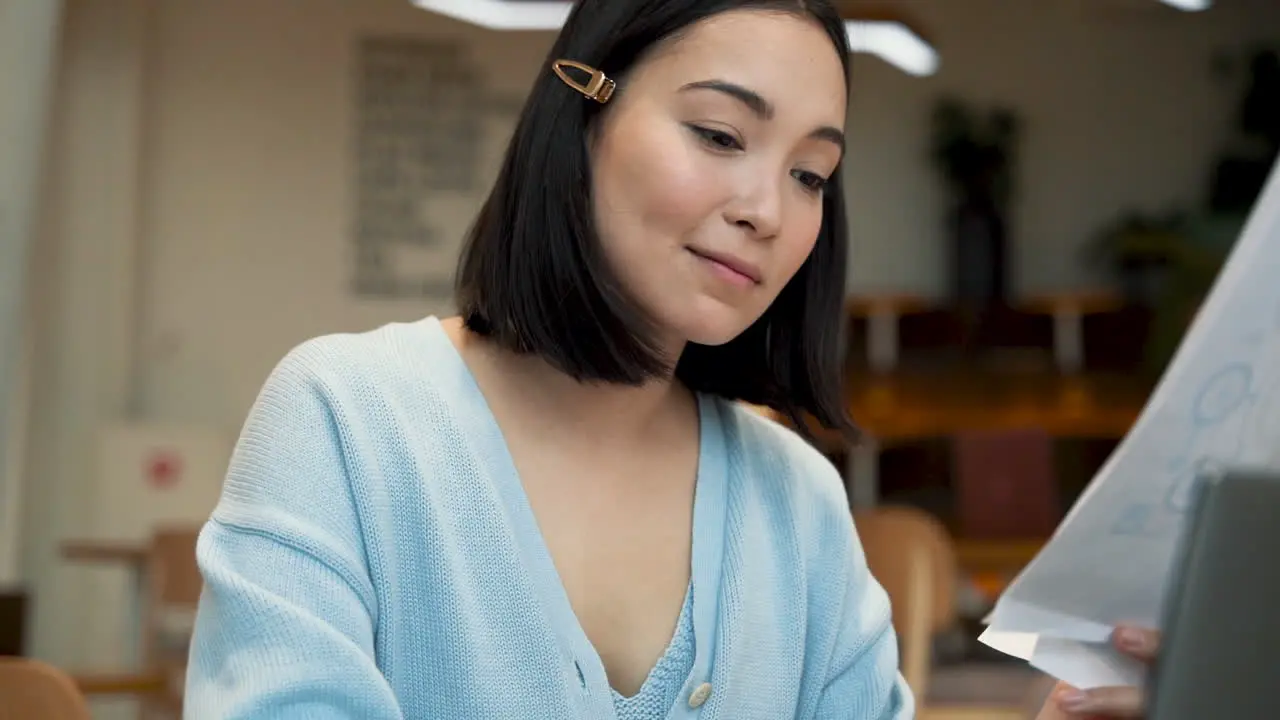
599,87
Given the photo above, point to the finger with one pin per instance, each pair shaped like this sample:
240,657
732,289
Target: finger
1112,702
1141,643
1053,708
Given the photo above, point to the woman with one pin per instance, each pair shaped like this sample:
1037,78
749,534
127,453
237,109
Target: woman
552,507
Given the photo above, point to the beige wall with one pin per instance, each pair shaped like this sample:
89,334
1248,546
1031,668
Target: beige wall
82,308
249,162
1119,107
250,206
198,223
28,53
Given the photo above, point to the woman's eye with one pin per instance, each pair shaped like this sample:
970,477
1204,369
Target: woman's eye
717,139
721,140
811,181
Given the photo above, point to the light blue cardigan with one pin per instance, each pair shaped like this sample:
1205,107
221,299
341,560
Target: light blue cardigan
374,556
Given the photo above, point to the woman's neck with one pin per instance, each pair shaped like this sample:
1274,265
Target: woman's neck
599,412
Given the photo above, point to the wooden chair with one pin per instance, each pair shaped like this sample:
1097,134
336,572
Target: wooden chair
173,584
913,557
30,689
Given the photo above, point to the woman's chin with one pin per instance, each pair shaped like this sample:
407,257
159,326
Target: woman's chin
714,328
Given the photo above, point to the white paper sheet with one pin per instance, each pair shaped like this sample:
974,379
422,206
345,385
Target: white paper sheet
1217,405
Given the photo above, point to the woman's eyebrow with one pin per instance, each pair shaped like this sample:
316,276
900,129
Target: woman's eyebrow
762,108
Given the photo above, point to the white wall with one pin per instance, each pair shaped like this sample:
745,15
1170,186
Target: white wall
1119,109
28,53
82,306
252,177
194,229
250,168
198,223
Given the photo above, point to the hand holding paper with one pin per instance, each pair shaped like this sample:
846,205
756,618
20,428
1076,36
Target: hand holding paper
1067,702
1217,405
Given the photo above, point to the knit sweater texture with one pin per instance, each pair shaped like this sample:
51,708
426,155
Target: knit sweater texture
373,555
665,680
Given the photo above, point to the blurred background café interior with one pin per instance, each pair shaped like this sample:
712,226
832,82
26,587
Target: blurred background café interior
1040,196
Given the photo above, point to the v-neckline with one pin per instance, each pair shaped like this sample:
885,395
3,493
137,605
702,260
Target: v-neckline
707,551
682,622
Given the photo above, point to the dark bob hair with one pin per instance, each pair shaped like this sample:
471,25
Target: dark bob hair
534,279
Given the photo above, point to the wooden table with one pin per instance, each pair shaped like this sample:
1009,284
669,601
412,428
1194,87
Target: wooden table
992,564
913,406
997,556
882,313
1068,310
112,552
156,688
130,555
907,406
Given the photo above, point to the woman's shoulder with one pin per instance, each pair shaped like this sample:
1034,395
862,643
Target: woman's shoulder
348,365
337,402
782,464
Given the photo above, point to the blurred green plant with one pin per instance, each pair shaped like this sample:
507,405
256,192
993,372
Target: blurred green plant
974,151
1168,263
